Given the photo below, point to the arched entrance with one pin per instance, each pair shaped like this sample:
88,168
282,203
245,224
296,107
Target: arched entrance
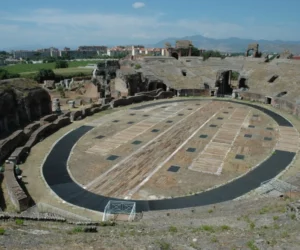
161,86
175,55
242,83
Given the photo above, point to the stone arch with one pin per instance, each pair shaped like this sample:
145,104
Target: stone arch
161,86
175,55
243,83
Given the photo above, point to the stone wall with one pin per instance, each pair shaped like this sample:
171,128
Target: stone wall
141,98
194,92
256,97
24,101
9,144
16,194
277,102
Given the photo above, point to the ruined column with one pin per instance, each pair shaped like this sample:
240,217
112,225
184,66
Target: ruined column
190,51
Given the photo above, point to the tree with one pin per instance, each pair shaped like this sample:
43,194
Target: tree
4,74
44,74
61,64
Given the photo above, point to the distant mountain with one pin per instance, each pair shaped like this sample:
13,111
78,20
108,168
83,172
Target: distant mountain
234,44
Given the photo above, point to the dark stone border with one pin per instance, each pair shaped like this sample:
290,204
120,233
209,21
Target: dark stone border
57,177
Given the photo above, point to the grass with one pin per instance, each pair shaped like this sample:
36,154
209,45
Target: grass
214,239
32,68
264,210
164,245
2,231
205,228
19,222
77,230
275,217
251,245
173,229
225,228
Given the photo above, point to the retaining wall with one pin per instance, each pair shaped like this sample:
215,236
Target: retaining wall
9,144
16,194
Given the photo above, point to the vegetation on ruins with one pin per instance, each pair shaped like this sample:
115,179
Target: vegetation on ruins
137,66
235,76
44,74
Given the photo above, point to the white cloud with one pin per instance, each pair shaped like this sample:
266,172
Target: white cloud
138,5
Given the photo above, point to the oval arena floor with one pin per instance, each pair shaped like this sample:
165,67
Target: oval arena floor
171,154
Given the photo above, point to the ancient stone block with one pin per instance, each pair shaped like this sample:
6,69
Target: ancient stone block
17,195
8,145
28,130
48,119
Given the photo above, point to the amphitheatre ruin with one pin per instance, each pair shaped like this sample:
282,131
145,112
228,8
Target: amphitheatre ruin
173,132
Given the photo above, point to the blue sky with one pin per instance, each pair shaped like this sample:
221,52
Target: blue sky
95,22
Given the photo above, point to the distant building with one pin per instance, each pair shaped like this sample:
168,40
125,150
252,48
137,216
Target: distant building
99,49
78,54
32,54
118,51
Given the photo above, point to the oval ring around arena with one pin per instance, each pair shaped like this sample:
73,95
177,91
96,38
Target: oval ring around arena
57,177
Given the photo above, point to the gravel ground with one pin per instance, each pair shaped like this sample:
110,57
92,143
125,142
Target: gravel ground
251,224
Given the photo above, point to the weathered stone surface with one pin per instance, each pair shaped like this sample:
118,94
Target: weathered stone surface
49,84
28,130
8,145
48,119
17,195
24,101
41,133
19,155
75,115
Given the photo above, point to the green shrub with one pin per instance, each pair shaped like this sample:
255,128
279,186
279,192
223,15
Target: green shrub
2,231
61,64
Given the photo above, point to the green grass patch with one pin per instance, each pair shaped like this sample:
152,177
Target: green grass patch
33,68
19,222
173,229
2,231
205,228
251,245
77,230
264,210
225,228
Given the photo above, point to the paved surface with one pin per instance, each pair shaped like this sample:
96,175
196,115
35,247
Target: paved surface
57,177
